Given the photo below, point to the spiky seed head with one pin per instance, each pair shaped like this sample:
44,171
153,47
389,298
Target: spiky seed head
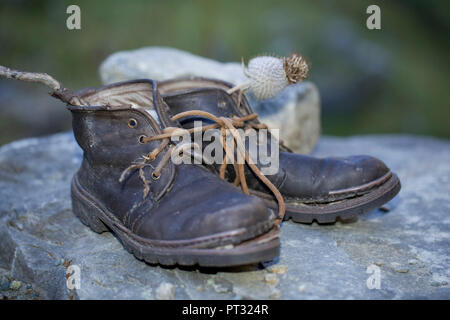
296,68
269,75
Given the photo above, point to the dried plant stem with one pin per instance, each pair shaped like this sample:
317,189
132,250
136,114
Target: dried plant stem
244,85
241,93
44,78
59,91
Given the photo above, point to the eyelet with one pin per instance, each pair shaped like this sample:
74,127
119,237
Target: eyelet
141,139
221,104
132,123
155,177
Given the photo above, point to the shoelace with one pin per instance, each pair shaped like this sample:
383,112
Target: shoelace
223,124
148,158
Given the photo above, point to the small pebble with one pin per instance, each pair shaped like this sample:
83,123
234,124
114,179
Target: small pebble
279,269
412,261
165,291
435,283
271,278
59,262
399,268
276,294
220,285
220,288
5,284
29,286
438,283
302,288
15,285
200,288
402,270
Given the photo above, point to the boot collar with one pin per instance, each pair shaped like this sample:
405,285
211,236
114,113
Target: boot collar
140,94
196,93
136,96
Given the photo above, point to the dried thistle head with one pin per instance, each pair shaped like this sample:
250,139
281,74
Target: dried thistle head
296,68
269,75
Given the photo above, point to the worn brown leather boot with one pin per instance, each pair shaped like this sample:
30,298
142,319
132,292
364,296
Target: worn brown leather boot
313,189
162,212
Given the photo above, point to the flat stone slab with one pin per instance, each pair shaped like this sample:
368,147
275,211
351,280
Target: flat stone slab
408,246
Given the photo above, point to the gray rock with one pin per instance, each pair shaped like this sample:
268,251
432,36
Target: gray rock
27,110
162,63
296,109
326,262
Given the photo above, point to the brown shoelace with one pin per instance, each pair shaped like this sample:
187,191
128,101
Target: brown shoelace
148,158
223,124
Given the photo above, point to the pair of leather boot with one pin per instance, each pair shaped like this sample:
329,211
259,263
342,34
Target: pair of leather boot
202,214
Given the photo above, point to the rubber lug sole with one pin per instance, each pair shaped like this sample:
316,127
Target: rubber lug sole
260,248
346,210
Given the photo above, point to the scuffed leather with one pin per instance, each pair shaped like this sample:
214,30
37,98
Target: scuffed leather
186,202
299,176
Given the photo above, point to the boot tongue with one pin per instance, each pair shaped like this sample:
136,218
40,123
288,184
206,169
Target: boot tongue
212,100
162,110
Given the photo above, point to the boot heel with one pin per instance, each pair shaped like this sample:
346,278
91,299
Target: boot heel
87,215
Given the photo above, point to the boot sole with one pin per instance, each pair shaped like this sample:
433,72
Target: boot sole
251,248
347,209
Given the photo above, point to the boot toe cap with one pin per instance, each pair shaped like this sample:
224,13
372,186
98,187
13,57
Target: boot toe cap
217,213
368,169
355,173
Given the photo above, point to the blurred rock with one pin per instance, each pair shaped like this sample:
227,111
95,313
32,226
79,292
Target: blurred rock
161,63
27,110
38,230
351,69
296,110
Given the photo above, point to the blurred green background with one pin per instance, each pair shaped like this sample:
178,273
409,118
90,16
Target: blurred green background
393,80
